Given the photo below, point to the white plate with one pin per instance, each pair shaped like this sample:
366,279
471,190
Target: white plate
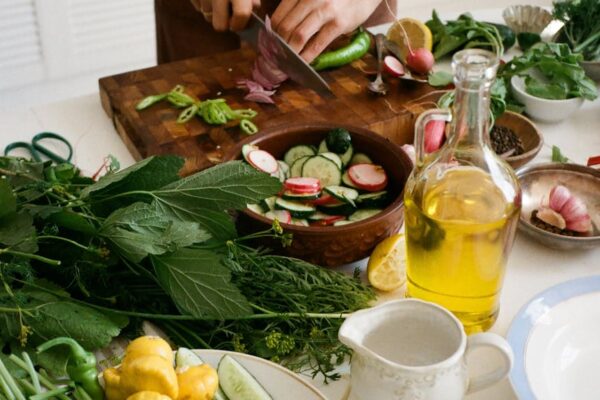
556,341
281,383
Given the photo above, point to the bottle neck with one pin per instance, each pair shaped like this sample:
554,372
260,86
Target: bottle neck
471,112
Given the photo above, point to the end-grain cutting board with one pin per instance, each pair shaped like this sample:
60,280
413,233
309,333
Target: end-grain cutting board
155,130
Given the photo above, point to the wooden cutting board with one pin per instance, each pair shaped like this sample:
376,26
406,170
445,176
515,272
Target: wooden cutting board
155,130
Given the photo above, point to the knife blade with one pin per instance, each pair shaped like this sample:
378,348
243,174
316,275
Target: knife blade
286,58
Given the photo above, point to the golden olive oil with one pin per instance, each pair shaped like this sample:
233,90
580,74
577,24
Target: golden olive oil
459,233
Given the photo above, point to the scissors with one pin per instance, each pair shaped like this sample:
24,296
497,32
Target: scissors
36,149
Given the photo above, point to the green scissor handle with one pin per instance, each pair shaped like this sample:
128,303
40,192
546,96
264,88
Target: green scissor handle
35,148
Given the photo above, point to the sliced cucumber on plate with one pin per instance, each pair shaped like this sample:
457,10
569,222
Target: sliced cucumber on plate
364,214
373,200
360,158
268,204
257,208
296,167
347,181
237,383
298,152
347,195
333,157
338,209
247,148
187,358
289,195
295,208
322,168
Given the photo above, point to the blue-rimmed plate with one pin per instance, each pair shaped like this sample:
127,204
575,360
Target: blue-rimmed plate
556,341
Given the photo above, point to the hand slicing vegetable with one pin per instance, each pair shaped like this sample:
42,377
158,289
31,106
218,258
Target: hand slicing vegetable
324,186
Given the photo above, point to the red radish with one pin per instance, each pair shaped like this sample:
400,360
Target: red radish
420,60
434,135
325,199
368,177
263,161
282,216
393,66
593,161
303,185
328,221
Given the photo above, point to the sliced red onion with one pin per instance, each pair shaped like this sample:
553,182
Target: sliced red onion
259,97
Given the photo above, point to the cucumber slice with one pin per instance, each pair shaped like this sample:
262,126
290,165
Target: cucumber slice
296,209
289,195
360,158
347,181
268,204
187,358
364,214
323,147
323,169
373,200
344,222
347,156
344,194
317,216
284,168
299,222
237,383
296,168
338,209
247,148
298,152
282,216
256,208
333,157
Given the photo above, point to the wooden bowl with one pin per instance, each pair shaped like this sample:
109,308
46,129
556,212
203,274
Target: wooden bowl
528,133
334,246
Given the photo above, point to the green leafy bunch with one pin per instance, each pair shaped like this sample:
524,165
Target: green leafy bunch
581,30
551,71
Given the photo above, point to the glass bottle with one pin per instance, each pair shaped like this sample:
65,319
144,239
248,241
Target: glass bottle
462,204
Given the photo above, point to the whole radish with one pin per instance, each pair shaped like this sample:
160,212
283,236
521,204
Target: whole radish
420,60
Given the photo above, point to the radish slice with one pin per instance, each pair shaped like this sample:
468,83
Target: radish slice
303,185
434,135
283,216
393,66
328,221
325,199
263,161
368,177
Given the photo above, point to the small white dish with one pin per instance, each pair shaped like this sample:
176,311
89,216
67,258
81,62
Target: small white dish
281,383
543,109
555,341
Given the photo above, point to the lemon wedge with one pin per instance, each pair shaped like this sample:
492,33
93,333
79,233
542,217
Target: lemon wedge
412,31
386,270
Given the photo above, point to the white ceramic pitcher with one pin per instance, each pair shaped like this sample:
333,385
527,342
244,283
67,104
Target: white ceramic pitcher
415,350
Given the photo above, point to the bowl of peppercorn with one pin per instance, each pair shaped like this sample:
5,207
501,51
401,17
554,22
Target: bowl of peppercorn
516,139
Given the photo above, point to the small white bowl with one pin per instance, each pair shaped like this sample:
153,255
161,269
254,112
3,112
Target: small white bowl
543,109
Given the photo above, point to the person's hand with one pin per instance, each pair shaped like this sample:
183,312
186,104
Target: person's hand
309,26
226,14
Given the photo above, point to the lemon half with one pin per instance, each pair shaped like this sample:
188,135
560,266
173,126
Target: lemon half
386,270
417,34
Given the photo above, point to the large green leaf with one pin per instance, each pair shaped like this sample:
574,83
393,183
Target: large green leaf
199,284
21,170
18,232
141,229
8,201
218,223
149,174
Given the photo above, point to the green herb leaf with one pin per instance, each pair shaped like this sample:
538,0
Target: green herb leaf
8,201
557,155
17,232
141,229
149,174
199,284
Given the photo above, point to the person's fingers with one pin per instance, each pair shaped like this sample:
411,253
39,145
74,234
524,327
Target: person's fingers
220,17
320,41
205,9
305,31
197,5
255,3
241,13
282,10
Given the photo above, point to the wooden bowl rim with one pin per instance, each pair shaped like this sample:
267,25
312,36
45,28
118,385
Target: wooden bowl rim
287,129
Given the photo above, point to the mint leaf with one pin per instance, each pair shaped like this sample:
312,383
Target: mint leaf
141,229
218,223
149,174
199,284
557,155
8,201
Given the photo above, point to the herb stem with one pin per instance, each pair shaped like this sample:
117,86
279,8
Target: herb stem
72,242
31,256
192,334
31,371
45,381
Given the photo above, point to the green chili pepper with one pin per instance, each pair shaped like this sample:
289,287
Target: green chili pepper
150,101
357,48
81,366
188,114
248,127
245,114
216,116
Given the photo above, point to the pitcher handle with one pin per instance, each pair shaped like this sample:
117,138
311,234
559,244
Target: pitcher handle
436,114
501,345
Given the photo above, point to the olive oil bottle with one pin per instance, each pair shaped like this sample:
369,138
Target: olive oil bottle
462,204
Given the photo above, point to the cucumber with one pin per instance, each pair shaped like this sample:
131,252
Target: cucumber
347,156
256,208
296,209
360,158
237,383
317,216
347,181
323,147
300,222
323,169
268,204
298,152
373,200
338,209
289,195
344,222
284,168
333,157
347,195
364,214
296,168
247,148
338,140
187,358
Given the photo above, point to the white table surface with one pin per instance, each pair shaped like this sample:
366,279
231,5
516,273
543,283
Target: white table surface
531,267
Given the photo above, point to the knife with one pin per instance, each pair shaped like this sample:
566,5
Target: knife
287,59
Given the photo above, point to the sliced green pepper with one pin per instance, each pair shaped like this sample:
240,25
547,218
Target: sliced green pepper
150,101
248,127
188,114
